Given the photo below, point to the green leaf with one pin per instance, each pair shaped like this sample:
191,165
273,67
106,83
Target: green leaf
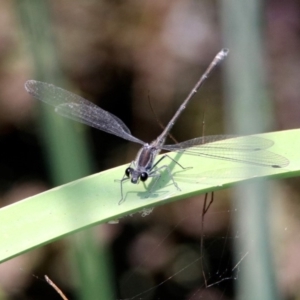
48,216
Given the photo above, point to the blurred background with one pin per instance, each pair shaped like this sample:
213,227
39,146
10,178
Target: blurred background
121,55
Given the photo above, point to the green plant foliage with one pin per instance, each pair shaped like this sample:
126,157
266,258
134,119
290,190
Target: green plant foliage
48,216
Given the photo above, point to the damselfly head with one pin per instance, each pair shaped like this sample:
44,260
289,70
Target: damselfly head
135,175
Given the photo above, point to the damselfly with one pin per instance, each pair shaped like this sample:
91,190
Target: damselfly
144,166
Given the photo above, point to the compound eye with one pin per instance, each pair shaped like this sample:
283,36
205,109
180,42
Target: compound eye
144,176
128,172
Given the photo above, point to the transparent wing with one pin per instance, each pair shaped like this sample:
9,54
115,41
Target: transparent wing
79,109
245,149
